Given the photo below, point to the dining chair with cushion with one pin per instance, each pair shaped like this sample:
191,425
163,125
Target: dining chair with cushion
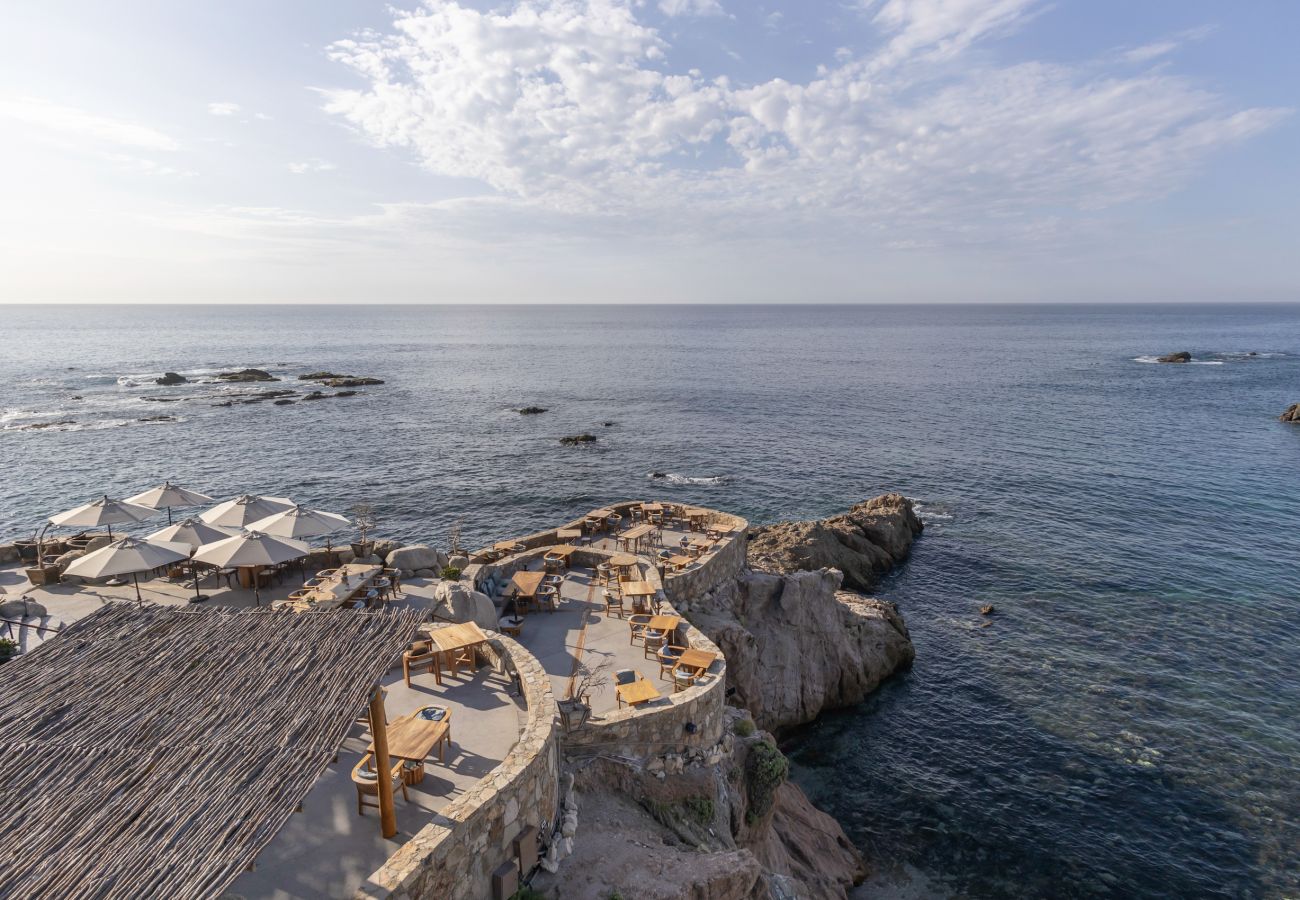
652,641
421,654
367,781
669,654
613,603
636,626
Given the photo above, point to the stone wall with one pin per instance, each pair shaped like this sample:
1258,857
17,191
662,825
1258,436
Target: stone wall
8,554
453,857
722,564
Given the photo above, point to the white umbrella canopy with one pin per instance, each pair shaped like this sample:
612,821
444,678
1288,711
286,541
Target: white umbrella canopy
128,556
300,522
167,495
245,510
195,532
104,511
251,548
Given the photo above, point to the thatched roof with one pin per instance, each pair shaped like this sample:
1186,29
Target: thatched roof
153,752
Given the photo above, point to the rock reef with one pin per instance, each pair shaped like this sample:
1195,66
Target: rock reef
1292,413
1181,356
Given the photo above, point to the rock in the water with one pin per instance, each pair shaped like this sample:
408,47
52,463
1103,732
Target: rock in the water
246,375
459,601
319,376
416,556
864,543
1292,413
797,645
37,426
171,378
1181,356
331,379
284,401
986,610
345,393
157,419
578,439
315,395
532,410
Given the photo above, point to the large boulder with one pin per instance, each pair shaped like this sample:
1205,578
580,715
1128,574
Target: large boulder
171,378
384,547
97,542
245,375
67,559
1292,413
797,645
459,601
864,543
459,561
1181,356
416,556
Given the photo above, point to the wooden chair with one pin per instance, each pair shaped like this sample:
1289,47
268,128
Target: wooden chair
613,603
636,625
420,653
668,656
367,781
682,679
395,577
653,641
623,676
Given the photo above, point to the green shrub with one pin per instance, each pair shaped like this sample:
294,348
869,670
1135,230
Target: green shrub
744,727
766,769
451,573
527,893
699,808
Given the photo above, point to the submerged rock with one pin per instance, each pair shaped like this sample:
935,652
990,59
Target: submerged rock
578,439
345,393
332,379
284,401
158,419
246,375
171,378
1292,413
532,410
864,543
37,426
1181,356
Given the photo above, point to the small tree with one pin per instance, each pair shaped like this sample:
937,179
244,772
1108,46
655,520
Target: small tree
453,538
363,516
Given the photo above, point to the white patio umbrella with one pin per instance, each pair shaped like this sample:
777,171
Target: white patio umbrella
244,510
104,511
301,522
194,533
167,495
251,548
128,556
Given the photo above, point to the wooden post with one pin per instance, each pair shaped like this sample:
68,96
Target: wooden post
383,766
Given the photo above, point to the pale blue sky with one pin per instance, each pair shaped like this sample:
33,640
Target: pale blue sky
665,150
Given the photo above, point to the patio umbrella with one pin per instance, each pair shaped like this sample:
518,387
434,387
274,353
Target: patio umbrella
167,495
251,548
244,510
194,533
301,522
104,512
128,556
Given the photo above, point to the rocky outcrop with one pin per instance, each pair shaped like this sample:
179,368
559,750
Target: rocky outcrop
1292,413
333,379
578,439
170,378
1181,356
246,375
864,543
532,410
461,603
416,556
797,645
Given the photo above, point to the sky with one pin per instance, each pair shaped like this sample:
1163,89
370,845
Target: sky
583,151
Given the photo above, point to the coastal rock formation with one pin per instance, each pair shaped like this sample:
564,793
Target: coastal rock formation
726,826
170,378
532,410
333,379
1292,413
461,603
416,556
1180,357
578,439
246,375
864,543
797,645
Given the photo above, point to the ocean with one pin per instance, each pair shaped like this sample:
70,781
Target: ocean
1125,725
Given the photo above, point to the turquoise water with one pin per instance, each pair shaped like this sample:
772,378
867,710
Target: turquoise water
1126,725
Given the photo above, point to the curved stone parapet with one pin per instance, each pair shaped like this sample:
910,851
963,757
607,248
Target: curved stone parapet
453,857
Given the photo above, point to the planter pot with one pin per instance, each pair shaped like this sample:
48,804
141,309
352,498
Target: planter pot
26,550
363,548
573,713
42,576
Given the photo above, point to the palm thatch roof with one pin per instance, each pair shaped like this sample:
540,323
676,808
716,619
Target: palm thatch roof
153,752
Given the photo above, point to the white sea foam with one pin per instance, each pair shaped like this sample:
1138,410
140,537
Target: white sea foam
675,478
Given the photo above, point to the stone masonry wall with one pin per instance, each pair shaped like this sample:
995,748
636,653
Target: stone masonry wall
723,564
453,857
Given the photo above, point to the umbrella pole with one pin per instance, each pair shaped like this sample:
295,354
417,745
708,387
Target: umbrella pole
198,598
169,515
136,579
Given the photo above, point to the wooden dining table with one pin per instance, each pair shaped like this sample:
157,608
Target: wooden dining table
664,623
569,534
452,638
333,593
640,691
697,661
636,534
413,737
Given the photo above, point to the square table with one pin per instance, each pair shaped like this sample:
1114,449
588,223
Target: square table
413,737
333,593
639,691
569,534
699,660
526,583
679,562
637,588
563,551
453,638
653,507
664,623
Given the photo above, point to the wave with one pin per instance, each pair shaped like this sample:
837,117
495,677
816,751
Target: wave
69,425
674,478
1218,358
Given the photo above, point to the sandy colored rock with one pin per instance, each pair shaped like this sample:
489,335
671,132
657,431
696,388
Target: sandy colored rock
416,556
460,602
1292,413
864,543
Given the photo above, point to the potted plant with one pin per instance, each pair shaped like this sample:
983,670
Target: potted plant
363,515
575,709
8,649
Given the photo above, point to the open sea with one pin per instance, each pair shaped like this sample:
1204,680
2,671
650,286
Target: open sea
1127,724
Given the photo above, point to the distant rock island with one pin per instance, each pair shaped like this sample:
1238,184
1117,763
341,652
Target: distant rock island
1181,356
1292,413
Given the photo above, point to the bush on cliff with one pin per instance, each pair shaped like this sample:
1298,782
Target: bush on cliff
766,769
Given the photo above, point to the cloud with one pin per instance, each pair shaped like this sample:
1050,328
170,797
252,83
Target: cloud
1156,49
69,121
691,8
570,106
224,108
308,166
